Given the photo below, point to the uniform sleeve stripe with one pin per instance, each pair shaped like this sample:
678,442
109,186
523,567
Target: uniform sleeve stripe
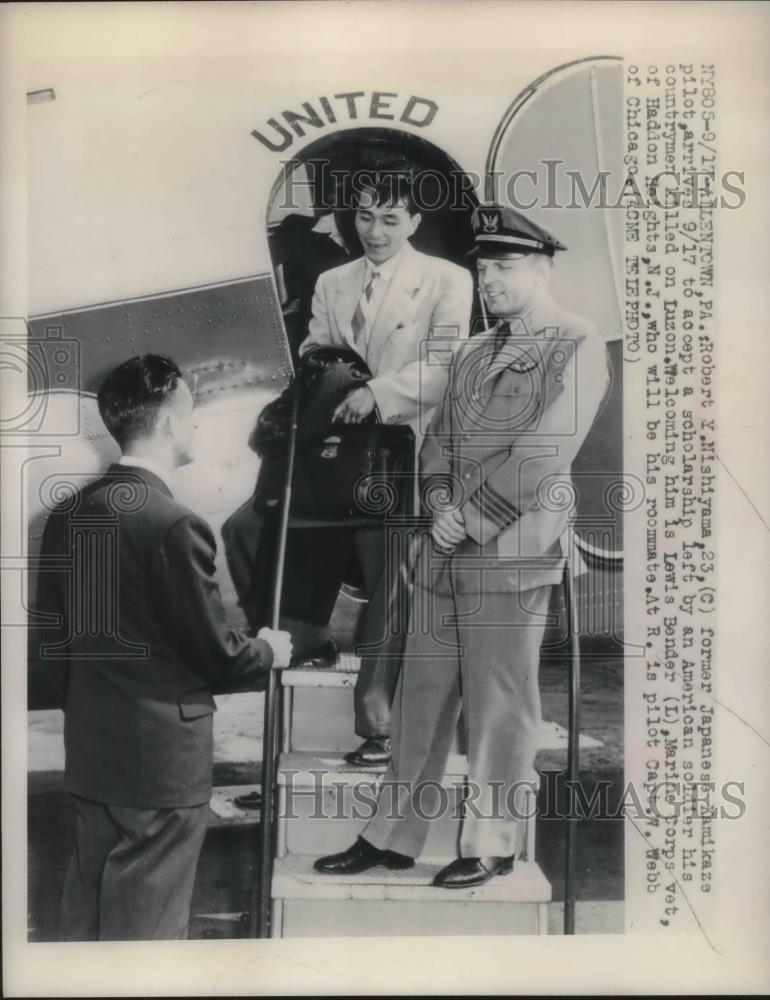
494,507
488,509
480,503
493,511
503,511
511,510
475,499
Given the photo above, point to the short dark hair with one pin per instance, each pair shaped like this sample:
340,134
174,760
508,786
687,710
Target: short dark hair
389,186
132,394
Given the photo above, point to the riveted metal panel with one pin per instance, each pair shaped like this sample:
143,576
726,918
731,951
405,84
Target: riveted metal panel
225,337
229,341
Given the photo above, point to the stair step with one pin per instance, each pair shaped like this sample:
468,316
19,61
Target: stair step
324,719
333,815
209,926
295,878
591,917
308,904
307,767
311,677
327,818
223,810
337,675
329,802
324,715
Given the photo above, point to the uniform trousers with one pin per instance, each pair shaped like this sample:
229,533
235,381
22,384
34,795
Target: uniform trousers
132,872
476,648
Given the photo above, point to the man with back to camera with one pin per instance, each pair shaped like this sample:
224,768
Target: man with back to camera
385,305
140,645
518,407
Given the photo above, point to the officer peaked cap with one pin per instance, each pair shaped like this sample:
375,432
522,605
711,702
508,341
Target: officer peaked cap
500,232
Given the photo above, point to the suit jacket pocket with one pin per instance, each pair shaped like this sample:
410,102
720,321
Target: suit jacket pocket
196,704
403,345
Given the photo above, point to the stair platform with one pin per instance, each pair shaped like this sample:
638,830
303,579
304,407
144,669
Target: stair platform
308,903
295,878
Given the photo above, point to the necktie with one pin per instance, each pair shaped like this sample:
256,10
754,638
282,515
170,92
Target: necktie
360,316
501,335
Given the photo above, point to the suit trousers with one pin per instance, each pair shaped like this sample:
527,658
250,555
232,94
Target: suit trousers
314,566
480,650
132,872
316,561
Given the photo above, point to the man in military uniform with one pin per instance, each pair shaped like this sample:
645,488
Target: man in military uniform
496,460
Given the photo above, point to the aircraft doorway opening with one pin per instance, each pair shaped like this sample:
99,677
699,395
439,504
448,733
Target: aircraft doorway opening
311,223
311,229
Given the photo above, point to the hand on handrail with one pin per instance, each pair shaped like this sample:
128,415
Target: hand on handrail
281,645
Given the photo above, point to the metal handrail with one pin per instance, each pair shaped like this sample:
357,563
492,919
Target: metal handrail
573,747
606,561
261,897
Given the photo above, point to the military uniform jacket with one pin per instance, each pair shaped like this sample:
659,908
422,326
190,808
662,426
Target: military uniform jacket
503,441
139,639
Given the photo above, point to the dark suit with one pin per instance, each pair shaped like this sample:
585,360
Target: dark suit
321,549
303,254
139,645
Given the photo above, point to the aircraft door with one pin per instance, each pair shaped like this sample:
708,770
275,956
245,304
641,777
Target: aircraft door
557,154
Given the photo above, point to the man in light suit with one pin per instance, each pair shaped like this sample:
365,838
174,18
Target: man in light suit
137,643
519,405
386,306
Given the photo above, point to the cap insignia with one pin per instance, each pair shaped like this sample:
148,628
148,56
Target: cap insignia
490,222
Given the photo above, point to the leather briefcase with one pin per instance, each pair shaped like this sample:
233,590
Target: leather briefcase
350,471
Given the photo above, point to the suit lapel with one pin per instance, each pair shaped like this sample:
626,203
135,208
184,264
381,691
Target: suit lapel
348,293
397,303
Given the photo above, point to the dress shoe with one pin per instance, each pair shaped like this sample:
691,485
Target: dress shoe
252,800
373,752
359,858
463,873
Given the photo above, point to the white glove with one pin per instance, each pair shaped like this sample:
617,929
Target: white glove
280,643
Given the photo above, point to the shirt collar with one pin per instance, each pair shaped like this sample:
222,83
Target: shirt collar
153,467
532,320
387,269
327,226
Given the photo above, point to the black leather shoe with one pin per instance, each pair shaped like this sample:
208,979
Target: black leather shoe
359,858
252,800
463,873
373,752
